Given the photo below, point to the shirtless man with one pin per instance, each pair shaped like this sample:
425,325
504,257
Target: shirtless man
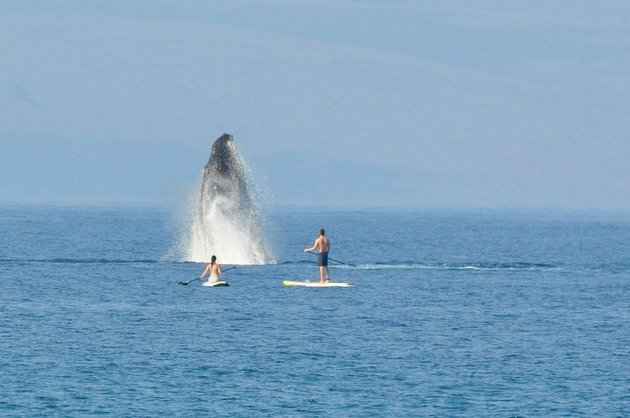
322,246
213,270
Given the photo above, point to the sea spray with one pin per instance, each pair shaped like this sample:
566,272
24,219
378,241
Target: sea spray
225,217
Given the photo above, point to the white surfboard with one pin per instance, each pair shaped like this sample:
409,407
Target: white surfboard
292,283
215,284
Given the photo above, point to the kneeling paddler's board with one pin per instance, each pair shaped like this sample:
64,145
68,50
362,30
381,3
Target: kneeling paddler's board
215,284
291,283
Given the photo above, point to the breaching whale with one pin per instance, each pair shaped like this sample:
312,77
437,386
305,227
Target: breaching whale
226,220
224,178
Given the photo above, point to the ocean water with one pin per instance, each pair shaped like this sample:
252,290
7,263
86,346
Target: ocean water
452,313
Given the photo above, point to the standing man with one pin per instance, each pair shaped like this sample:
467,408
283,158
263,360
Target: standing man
322,246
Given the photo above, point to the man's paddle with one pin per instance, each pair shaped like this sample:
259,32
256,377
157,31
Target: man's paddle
341,262
199,278
332,259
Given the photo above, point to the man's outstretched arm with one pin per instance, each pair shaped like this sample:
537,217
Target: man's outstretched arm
313,248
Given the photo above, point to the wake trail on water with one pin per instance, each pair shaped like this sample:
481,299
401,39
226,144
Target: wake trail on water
78,261
394,265
458,267
513,267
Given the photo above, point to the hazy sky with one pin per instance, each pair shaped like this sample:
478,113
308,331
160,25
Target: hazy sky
333,103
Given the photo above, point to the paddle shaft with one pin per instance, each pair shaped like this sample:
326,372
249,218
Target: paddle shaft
336,261
341,262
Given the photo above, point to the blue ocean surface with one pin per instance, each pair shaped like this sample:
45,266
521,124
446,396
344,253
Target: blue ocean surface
452,313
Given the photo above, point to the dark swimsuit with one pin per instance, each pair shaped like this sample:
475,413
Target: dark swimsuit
322,259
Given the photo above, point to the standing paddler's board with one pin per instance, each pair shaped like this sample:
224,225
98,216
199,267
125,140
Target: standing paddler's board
291,283
215,284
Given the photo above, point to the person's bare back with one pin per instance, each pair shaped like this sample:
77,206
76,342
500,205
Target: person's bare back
212,270
322,244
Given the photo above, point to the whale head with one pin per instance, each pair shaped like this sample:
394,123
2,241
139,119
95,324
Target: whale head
225,176
224,157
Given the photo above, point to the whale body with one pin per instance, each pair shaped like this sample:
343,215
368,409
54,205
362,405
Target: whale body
226,220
